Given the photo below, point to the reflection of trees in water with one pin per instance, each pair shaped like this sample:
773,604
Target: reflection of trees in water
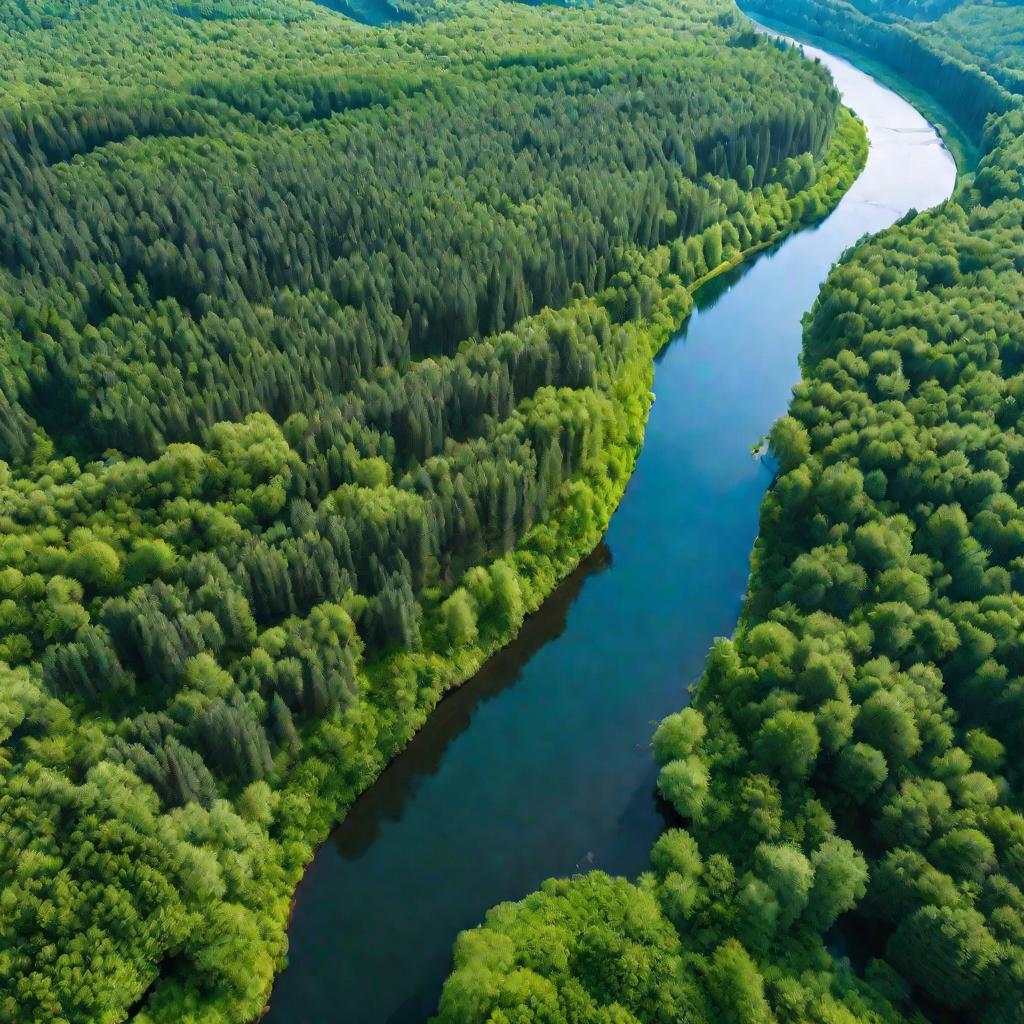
386,799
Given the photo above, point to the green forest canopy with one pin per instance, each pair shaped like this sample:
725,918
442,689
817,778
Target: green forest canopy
852,749
325,352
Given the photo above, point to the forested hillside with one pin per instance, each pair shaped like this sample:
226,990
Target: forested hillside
917,39
847,777
325,352
956,60
988,34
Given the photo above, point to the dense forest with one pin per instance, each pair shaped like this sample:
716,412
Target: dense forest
325,352
987,34
917,38
848,843
959,68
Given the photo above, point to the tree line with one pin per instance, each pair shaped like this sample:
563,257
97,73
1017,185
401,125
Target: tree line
849,754
325,353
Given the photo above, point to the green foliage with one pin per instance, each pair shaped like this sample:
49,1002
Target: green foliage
787,744
856,735
460,618
931,57
947,950
597,947
736,988
988,34
325,353
684,783
678,735
840,877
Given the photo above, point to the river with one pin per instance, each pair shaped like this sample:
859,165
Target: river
541,765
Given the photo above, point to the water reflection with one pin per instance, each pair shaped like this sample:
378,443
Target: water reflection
385,800
541,766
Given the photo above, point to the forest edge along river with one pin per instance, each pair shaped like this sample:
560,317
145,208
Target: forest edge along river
540,765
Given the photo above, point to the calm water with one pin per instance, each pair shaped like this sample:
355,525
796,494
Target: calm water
540,766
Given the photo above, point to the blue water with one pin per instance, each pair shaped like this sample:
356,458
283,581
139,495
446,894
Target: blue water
541,766
369,12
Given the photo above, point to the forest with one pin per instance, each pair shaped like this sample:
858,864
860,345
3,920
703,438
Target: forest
847,841
325,353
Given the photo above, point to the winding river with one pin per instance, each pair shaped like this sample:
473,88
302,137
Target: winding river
540,765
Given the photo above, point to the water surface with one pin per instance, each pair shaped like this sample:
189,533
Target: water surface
541,765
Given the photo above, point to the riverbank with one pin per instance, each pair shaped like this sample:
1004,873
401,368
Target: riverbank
560,542
752,865
288,456
965,152
516,794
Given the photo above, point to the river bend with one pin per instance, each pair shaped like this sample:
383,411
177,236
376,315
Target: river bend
541,765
